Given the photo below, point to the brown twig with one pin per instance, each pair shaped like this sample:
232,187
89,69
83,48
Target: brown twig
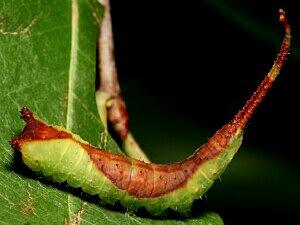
108,71
110,103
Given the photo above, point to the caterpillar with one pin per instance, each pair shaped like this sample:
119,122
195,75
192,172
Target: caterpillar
63,156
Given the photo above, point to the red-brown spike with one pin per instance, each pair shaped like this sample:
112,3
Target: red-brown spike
26,114
241,119
35,130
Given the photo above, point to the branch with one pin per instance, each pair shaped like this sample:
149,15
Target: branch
110,104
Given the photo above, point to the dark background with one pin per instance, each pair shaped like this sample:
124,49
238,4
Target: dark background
186,67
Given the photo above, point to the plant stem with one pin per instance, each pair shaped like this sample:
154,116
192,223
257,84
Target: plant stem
110,104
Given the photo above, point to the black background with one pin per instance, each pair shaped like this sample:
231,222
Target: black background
195,63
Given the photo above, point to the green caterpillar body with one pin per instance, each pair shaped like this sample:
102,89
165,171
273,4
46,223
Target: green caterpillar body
64,156
67,160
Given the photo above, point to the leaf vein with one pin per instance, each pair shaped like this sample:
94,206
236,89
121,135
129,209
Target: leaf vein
73,63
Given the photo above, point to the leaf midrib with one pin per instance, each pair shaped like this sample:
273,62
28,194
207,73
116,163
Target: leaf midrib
73,63
72,80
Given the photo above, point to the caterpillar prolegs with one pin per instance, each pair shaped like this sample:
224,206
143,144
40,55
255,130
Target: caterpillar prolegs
64,156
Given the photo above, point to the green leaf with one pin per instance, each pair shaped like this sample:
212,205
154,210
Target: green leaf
48,63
